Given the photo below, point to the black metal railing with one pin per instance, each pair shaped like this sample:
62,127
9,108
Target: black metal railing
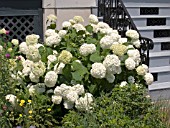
116,15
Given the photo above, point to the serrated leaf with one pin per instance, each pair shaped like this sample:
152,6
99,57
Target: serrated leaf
95,57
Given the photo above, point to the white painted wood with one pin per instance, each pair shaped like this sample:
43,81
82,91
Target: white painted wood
153,28
144,4
163,39
157,86
159,61
160,54
160,69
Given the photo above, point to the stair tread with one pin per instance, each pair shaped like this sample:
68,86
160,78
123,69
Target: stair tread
150,16
159,69
157,86
153,27
158,40
159,54
132,5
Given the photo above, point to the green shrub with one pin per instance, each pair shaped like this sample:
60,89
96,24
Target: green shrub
124,107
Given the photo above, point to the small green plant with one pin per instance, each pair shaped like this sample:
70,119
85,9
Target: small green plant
124,107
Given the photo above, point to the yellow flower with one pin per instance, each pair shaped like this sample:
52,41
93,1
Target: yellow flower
29,101
119,49
30,112
22,101
21,104
20,115
49,109
30,116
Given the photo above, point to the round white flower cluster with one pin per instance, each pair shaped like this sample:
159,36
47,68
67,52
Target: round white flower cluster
33,53
84,103
98,70
87,49
49,32
52,18
51,59
50,79
136,43
118,49
133,34
11,98
32,39
53,40
78,19
65,57
3,31
79,27
135,55
15,42
148,78
142,69
130,63
70,95
102,27
123,83
23,48
66,24
112,64
93,19
123,40
62,33
106,42
38,69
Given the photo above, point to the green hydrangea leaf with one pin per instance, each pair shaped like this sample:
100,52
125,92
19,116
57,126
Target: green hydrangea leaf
89,28
95,57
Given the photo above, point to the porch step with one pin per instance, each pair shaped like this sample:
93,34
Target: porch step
160,69
147,28
160,54
157,86
145,4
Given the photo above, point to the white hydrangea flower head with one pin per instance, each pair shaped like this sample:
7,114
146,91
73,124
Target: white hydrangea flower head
79,89
52,58
34,78
110,77
11,98
142,69
123,83
1,48
130,63
148,78
72,96
72,21
136,43
133,34
119,49
87,49
58,91
65,57
38,68
15,42
111,62
49,32
33,53
103,25
58,68
130,47
131,79
98,70
93,19
53,40
27,65
23,48
106,42
39,88
62,33
84,103
3,31
123,40
78,19
56,99
79,27
68,105
51,18
50,79
32,39
115,37
66,24
135,55
95,28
